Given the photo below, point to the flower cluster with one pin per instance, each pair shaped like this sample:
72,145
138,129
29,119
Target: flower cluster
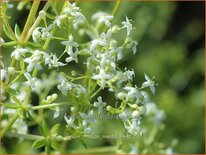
100,54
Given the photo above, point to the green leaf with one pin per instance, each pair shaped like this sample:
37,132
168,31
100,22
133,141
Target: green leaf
9,44
39,143
47,148
54,130
11,91
44,129
17,31
50,16
83,143
7,33
34,45
22,114
55,145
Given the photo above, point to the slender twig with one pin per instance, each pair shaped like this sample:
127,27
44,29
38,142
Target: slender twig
48,105
114,11
10,123
46,44
30,19
116,7
38,20
93,95
25,136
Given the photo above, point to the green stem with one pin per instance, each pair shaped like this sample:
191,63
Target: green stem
9,29
30,19
98,150
114,11
25,136
46,44
93,95
116,7
10,123
38,20
48,106
10,105
47,148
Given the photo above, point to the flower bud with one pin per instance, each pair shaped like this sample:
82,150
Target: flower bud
42,14
121,96
109,108
54,96
74,73
11,70
142,110
135,114
115,29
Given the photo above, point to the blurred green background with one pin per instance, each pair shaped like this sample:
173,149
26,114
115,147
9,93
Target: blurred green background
171,48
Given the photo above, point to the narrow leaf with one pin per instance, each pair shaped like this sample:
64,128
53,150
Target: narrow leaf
39,143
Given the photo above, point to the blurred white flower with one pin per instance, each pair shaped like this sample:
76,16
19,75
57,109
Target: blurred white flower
3,74
149,83
102,77
102,17
127,24
30,80
99,104
18,53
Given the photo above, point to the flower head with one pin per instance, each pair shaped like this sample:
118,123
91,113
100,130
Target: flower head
149,83
99,104
18,53
127,24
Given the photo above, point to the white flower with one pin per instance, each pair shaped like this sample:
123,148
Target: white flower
103,17
36,35
132,44
87,118
20,127
133,94
55,62
97,42
99,104
45,32
3,74
72,57
70,44
64,87
127,24
18,53
31,81
41,33
22,95
104,40
149,83
47,59
102,76
118,51
87,130
129,74
133,128
33,63
70,122
72,12
59,19
57,112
